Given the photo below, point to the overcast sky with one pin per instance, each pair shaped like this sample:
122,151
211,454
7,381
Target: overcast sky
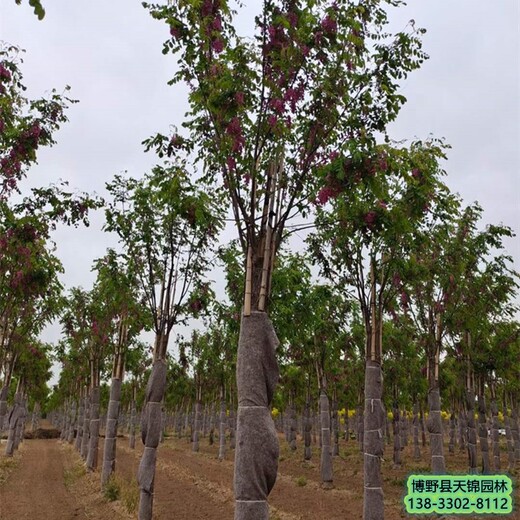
109,52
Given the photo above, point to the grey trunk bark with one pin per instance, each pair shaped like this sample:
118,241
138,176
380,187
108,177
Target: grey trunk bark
434,426
360,428
79,434
109,452
451,445
416,448
3,406
13,418
397,437
232,428
373,443
423,427
472,433
20,427
335,429
326,455
196,427
515,432
257,449
131,436
151,429
92,456
292,429
307,427
222,431
495,436
510,444
483,435
70,433
86,428
463,431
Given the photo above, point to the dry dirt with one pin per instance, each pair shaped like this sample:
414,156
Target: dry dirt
48,481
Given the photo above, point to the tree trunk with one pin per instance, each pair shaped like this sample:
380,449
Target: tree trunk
510,444
326,470
86,427
462,430
3,406
92,456
483,433
360,428
495,435
472,433
257,449
292,428
434,426
423,427
222,431
335,428
79,432
373,442
397,437
451,446
109,452
13,418
35,417
20,426
416,448
133,420
151,429
73,419
515,431
232,427
196,428
307,427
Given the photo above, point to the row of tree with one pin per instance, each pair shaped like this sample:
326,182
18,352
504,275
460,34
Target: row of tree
288,123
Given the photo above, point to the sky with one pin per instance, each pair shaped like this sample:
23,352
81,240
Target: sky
109,52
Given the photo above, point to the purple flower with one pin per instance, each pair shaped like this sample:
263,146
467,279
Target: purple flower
231,164
292,17
4,73
325,194
329,25
207,8
216,25
277,105
217,45
175,31
370,218
239,98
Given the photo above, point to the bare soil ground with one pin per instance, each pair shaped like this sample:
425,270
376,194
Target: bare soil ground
47,480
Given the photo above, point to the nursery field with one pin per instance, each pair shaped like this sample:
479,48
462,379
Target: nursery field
47,480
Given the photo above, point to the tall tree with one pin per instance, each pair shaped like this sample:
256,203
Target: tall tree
166,224
368,210
265,112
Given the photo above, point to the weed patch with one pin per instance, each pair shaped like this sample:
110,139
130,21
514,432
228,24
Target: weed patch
73,474
7,464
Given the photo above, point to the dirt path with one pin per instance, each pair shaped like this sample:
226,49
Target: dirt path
32,484
49,483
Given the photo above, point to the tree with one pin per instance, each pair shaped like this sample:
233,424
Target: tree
166,224
265,112
25,125
368,210
118,288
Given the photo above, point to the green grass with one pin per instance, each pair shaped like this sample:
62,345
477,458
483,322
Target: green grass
301,481
130,495
7,464
73,474
112,489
